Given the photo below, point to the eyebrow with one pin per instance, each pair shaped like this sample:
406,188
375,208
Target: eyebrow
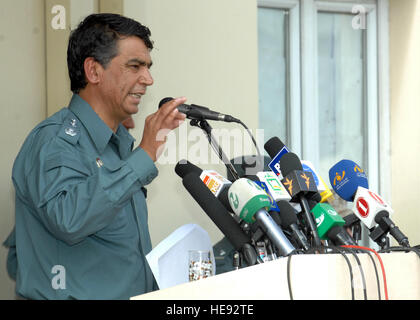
141,62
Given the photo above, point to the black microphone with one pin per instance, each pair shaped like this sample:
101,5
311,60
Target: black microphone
219,215
353,222
275,146
183,167
277,149
300,184
197,112
289,221
386,224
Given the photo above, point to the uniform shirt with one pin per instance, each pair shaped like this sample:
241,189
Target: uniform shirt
81,228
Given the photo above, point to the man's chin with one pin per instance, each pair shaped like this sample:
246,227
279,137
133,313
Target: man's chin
132,108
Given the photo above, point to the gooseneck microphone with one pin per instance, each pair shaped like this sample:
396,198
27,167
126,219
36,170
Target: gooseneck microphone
193,111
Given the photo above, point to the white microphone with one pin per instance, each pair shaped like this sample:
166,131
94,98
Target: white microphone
372,210
367,204
214,181
250,202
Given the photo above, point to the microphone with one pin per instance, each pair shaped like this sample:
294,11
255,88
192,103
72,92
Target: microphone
322,187
353,222
197,112
300,184
330,225
219,215
371,209
277,149
273,204
350,182
183,167
249,202
273,210
289,221
219,185
276,188
345,177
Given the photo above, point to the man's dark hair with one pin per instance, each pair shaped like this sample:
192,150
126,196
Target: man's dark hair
96,37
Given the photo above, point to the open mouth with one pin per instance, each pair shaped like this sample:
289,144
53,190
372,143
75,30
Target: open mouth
136,95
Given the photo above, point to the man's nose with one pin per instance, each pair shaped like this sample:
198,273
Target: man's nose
146,78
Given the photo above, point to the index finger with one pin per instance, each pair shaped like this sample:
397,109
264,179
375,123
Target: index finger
170,106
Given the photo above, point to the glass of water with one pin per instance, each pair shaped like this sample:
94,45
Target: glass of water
200,265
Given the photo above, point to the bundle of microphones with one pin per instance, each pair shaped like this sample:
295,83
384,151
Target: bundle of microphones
286,210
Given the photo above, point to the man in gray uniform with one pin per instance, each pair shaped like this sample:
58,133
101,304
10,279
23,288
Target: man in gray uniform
81,228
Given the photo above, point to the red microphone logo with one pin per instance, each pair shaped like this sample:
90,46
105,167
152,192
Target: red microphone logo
362,207
377,198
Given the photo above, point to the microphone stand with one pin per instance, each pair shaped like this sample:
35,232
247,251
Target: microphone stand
205,126
380,237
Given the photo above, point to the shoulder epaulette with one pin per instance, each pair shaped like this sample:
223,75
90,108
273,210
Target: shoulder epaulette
70,130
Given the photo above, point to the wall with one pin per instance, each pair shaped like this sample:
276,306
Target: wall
207,52
22,101
405,115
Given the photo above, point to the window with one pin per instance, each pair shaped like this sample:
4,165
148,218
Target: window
319,89
341,89
324,83
272,67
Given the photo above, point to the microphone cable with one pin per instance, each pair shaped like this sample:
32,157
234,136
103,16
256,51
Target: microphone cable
342,252
289,284
360,268
376,271
252,137
380,261
396,249
321,248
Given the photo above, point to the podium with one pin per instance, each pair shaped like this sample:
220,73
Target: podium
311,277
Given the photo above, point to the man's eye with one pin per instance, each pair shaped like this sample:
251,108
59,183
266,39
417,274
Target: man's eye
135,67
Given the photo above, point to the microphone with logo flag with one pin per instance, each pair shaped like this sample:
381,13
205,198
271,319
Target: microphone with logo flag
301,186
219,215
250,203
277,149
330,225
350,182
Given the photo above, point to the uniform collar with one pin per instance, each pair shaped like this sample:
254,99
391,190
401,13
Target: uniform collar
99,132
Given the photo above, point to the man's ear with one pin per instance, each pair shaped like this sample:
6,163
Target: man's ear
93,70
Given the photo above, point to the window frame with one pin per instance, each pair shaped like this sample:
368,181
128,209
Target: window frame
293,78
303,86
